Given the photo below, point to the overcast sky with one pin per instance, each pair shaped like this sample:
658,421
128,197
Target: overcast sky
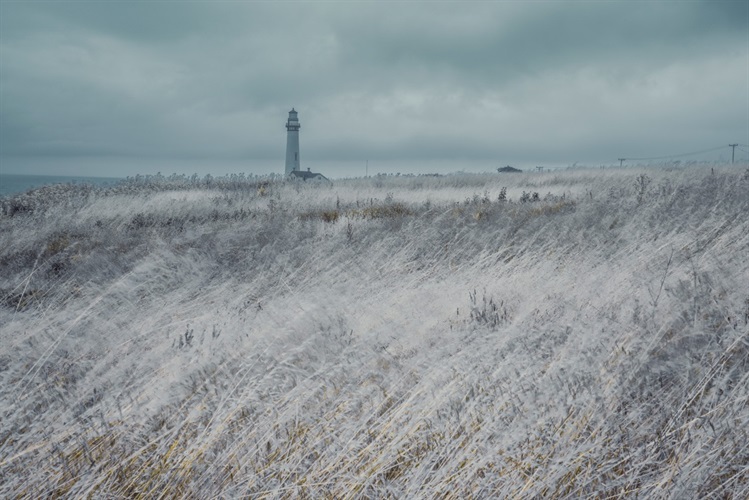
116,88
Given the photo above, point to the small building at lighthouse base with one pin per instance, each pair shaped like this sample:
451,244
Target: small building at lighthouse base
307,176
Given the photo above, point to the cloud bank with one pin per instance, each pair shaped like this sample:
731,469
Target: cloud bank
129,85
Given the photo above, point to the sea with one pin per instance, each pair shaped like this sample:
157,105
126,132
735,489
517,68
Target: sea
11,184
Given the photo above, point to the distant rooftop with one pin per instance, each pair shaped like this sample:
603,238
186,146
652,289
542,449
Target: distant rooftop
306,174
508,169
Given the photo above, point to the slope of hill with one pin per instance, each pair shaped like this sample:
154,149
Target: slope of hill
561,334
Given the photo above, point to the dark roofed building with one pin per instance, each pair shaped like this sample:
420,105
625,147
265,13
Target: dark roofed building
301,175
508,169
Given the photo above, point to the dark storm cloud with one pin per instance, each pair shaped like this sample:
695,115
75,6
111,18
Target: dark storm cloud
533,81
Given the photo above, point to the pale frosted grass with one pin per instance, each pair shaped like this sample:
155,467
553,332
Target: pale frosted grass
352,366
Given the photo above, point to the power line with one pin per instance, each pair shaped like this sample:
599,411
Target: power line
676,155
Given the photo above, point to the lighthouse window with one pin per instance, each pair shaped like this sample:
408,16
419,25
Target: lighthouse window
296,156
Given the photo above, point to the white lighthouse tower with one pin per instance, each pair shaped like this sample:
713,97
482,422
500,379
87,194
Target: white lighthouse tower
292,142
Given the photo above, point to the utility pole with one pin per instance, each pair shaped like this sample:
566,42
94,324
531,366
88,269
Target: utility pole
621,162
733,150
366,169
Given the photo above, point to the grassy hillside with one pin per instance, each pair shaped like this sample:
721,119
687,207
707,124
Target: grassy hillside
561,334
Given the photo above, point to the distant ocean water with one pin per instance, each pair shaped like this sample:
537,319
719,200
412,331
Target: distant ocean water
11,184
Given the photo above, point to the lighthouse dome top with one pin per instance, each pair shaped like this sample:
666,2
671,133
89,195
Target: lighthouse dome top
292,112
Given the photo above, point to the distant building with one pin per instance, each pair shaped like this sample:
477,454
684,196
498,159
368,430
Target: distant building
508,169
308,176
293,161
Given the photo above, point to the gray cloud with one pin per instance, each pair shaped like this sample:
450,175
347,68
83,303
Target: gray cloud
554,82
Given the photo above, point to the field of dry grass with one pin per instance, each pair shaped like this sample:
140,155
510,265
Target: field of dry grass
570,334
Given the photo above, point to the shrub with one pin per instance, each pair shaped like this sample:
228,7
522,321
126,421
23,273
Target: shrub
641,186
486,311
529,197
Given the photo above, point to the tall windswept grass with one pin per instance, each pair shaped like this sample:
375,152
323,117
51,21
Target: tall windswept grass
563,334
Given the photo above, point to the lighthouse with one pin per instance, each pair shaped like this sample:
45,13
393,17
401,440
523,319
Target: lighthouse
292,142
